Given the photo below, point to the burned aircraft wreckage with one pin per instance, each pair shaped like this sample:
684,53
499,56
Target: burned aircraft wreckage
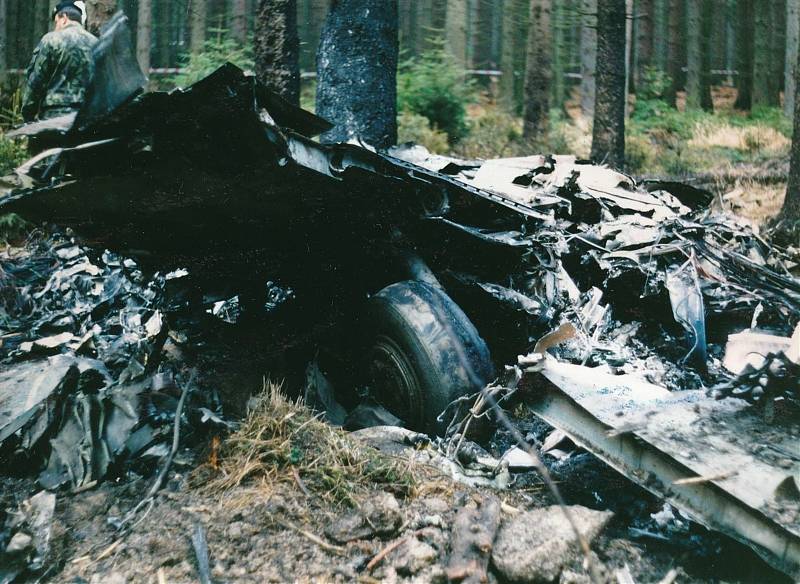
666,331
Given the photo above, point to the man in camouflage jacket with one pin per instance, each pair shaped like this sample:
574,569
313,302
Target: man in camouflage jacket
62,66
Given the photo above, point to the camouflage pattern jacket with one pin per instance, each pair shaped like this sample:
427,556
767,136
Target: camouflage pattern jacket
60,72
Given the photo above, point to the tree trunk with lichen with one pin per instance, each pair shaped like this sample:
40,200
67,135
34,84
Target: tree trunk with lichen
357,71
790,214
277,48
608,137
539,74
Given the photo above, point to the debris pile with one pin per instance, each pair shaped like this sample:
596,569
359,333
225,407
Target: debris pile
653,281
90,370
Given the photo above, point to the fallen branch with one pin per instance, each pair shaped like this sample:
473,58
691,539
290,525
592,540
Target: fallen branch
472,541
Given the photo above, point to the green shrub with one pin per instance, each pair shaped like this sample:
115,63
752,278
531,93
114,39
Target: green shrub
415,128
12,154
654,84
434,86
217,51
493,134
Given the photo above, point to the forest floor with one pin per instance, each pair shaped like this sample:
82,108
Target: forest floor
278,499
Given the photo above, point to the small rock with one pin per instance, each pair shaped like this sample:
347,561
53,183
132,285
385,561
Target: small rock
436,506
414,557
20,542
518,460
235,530
430,521
536,545
378,517
570,577
112,578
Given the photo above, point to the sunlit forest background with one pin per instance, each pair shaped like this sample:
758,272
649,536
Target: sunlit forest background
461,84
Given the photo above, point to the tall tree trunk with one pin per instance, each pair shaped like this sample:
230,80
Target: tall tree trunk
515,26
628,51
674,58
745,43
199,16
12,34
791,205
706,49
456,30
588,55
144,34
538,76
792,48
277,48
3,42
645,37
98,13
608,137
698,86
660,34
730,40
239,20
764,93
557,68
357,72
694,32
777,49
41,22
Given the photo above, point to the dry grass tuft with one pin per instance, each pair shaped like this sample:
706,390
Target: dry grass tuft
756,202
282,442
751,139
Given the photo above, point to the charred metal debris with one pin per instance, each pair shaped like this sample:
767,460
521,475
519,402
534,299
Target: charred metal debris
649,327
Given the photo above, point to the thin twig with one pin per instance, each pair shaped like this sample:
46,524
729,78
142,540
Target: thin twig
311,537
381,555
300,482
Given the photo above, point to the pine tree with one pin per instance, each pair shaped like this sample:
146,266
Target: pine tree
239,20
645,36
792,48
3,41
745,37
538,76
674,49
764,88
357,71
698,86
456,30
588,55
608,137
199,18
277,48
144,34
790,213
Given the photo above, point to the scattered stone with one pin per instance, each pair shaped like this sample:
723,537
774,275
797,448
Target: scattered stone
536,545
570,577
518,460
436,506
380,517
413,557
19,543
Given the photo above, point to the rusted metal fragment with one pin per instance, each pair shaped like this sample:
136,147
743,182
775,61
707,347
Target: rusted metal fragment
717,461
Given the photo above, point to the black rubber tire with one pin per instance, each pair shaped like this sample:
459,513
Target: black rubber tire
423,353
